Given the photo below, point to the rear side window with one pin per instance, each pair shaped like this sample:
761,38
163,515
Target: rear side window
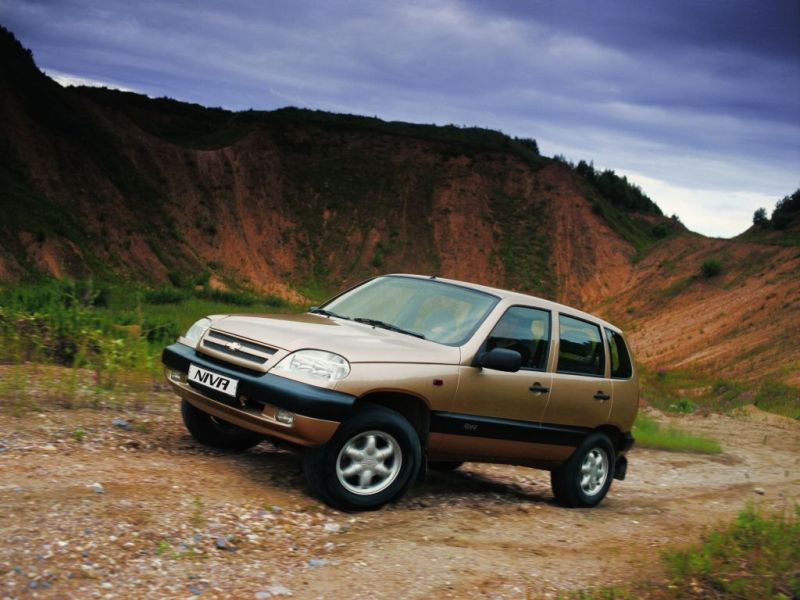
580,349
620,359
526,330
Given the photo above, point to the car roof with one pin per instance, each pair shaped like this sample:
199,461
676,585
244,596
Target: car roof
517,298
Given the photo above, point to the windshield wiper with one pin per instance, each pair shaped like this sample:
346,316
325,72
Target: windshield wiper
389,326
321,311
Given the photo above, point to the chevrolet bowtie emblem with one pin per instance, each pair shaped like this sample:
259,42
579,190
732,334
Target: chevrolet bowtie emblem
235,346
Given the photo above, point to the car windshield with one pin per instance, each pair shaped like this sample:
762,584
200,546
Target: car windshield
438,311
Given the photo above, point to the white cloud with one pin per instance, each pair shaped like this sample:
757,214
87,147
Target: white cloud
717,213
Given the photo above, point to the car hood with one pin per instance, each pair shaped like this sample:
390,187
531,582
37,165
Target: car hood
357,342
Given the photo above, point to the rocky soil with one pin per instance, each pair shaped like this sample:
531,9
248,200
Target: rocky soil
105,504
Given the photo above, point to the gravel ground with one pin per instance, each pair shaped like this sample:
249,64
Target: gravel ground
123,504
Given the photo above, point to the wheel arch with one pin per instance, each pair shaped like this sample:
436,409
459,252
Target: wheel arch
614,434
414,408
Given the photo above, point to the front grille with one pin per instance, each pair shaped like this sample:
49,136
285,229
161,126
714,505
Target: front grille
231,345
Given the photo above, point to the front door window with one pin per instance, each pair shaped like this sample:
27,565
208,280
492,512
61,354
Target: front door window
525,330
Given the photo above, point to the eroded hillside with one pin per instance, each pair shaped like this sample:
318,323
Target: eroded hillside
293,202
743,321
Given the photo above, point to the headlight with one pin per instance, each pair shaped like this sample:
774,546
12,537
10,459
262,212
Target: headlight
196,331
315,363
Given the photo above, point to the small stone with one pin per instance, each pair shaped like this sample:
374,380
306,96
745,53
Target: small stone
317,562
106,585
333,527
277,509
49,448
97,488
121,423
279,590
224,543
263,595
329,546
759,491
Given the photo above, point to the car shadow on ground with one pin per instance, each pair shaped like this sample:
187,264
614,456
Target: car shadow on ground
282,470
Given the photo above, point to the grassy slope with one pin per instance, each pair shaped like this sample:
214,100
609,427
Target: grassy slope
754,558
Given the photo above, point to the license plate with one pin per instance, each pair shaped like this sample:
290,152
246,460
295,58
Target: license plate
215,381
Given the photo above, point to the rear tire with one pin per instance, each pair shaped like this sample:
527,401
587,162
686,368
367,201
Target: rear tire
214,432
583,481
373,458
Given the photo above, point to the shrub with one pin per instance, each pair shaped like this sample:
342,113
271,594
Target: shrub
164,296
377,258
240,298
711,268
682,405
203,278
785,209
175,278
760,217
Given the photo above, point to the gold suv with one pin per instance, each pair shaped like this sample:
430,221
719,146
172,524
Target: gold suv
404,372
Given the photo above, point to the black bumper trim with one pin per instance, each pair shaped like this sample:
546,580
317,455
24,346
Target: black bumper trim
301,398
507,429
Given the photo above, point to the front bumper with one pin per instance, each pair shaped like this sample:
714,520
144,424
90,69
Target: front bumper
317,411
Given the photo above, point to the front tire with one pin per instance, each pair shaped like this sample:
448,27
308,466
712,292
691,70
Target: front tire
214,432
583,481
373,458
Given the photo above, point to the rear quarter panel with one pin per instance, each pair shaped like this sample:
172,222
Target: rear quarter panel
626,403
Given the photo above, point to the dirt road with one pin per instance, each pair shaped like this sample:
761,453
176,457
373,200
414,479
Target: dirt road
138,510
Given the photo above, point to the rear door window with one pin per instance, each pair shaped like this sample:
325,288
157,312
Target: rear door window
580,349
621,367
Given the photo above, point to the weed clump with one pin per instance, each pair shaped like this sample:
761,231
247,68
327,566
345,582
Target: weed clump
711,268
755,557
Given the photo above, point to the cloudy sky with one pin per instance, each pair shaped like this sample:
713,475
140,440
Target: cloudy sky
696,101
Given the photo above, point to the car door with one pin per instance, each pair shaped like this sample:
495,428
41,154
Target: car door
581,394
499,406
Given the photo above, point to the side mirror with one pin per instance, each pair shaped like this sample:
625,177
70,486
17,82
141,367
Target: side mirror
501,359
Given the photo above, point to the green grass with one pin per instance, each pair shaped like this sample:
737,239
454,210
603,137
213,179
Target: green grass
779,398
523,246
686,391
110,334
757,557
649,434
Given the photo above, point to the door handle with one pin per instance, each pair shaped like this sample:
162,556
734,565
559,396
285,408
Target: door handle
601,396
539,388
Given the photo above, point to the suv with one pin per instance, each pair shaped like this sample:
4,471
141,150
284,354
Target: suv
405,372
